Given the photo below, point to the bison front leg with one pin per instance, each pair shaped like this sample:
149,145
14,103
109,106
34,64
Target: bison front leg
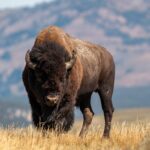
36,110
87,112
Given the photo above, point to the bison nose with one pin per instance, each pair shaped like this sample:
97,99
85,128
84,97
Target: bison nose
52,99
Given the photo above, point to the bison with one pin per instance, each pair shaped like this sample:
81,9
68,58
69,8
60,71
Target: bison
62,72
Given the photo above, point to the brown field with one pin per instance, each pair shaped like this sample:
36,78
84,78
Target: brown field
130,130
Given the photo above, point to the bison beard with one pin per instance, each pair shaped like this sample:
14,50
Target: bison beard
62,72
51,118
55,122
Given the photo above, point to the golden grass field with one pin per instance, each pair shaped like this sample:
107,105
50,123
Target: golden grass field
130,130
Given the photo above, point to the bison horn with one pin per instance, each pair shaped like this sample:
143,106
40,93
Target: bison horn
70,63
28,61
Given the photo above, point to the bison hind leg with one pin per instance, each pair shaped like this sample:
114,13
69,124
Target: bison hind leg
105,92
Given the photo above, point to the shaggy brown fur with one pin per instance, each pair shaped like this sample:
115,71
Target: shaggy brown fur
93,70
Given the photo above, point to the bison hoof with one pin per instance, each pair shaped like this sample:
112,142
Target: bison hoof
105,136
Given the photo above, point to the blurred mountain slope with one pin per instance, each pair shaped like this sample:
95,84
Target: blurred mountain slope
120,26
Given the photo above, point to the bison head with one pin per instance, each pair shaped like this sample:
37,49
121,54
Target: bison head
49,67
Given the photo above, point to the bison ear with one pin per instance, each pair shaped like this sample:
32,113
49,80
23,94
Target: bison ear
28,61
70,63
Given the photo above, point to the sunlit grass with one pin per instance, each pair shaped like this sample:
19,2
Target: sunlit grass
126,135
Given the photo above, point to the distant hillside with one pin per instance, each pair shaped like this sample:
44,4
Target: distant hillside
121,26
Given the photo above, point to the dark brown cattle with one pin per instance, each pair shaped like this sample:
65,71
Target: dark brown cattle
62,72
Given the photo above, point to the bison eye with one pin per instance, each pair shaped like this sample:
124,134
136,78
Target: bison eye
40,76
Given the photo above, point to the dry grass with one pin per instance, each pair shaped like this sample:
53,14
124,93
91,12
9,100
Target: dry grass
130,130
